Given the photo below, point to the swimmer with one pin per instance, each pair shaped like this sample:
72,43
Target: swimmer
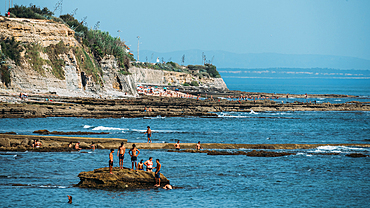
149,164
140,165
149,132
177,145
198,147
134,153
158,174
168,187
111,161
69,199
121,155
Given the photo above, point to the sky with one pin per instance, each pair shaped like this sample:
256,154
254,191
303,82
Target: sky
323,27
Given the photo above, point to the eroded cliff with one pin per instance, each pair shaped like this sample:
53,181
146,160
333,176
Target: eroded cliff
53,61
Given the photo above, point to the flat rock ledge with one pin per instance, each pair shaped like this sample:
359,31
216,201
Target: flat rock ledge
120,179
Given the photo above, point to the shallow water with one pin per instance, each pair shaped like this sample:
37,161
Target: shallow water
229,127
212,181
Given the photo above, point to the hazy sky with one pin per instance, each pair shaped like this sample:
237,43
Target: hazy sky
327,27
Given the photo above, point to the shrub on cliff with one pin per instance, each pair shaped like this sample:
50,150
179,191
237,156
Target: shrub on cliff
32,12
194,83
11,49
5,74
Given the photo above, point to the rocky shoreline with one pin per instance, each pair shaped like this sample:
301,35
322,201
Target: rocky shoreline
40,106
10,142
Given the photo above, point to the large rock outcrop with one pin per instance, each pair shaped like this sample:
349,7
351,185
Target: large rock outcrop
160,77
120,179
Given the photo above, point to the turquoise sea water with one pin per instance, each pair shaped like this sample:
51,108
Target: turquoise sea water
302,180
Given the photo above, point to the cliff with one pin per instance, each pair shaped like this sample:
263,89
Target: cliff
53,61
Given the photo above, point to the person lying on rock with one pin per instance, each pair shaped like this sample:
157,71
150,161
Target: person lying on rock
77,146
134,153
111,161
158,174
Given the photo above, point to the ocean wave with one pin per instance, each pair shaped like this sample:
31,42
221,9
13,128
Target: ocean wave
87,127
340,149
102,128
252,112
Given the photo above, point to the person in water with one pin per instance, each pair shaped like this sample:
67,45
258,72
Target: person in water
134,153
177,145
149,164
168,187
149,132
198,147
158,174
111,161
140,165
69,199
121,155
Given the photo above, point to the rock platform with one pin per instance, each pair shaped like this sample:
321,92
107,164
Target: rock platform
120,179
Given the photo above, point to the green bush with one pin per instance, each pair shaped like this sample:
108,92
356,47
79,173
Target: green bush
32,12
10,48
194,83
87,65
33,57
57,64
5,74
186,84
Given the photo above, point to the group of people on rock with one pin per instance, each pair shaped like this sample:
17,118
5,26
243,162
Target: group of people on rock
134,153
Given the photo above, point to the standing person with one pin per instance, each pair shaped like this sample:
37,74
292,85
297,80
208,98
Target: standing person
158,174
134,153
177,145
121,155
92,146
198,147
149,132
111,161
149,164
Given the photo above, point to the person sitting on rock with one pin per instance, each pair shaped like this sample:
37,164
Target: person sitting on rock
177,145
37,144
140,165
111,161
77,146
134,153
198,147
149,164
70,145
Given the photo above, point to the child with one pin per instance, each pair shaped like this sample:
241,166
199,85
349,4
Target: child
111,161
140,165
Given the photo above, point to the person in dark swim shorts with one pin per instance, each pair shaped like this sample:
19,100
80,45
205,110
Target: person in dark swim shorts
134,153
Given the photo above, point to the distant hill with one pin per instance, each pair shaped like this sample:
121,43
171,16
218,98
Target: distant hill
223,59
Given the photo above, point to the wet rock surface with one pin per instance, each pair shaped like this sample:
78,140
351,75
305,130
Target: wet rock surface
356,155
46,132
37,107
120,179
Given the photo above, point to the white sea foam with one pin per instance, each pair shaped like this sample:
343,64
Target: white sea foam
252,112
100,128
87,126
62,187
337,100
339,149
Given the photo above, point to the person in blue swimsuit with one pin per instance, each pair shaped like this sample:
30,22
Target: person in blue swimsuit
149,132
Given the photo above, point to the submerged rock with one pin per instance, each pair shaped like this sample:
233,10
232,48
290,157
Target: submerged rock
262,153
120,179
356,155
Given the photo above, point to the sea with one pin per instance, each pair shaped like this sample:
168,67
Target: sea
306,179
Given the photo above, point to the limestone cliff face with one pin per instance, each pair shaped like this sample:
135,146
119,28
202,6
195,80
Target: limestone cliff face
151,76
111,82
43,32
